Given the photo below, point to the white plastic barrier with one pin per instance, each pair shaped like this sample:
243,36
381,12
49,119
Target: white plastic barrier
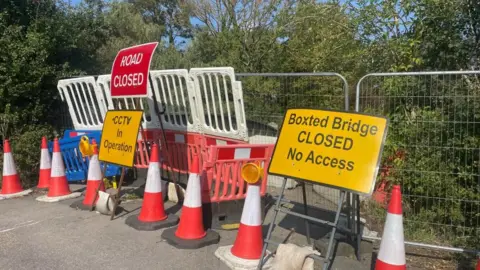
84,102
175,94
221,101
150,120
204,100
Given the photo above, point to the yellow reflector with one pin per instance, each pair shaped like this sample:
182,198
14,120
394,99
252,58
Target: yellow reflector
251,172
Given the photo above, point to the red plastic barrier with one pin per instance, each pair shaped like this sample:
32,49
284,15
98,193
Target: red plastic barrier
223,170
221,158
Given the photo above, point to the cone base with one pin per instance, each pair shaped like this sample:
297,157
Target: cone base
46,198
16,195
225,255
249,242
379,265
58,187
91,191
11,185
210,238
135,223
191,224
153,209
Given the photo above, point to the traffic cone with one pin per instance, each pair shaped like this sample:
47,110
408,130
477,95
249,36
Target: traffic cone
94,182
45,166
152,215
190,232
249,241
247,248
11,185
478,264
392,247
58,181
58,188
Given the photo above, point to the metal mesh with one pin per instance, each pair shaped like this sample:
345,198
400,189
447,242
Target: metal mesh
266,99
432,149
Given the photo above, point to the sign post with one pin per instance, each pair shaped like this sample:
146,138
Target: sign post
129,79
337,149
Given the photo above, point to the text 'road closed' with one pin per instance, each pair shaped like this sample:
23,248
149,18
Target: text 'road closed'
130,71
339,149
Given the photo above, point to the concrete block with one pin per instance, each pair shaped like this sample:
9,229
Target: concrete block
172,193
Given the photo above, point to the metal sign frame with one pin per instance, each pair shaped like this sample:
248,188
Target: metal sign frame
352,231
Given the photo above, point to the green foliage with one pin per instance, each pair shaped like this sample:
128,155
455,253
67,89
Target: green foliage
26,153
432,127
125,27
320,38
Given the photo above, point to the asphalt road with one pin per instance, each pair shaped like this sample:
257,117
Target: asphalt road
38,235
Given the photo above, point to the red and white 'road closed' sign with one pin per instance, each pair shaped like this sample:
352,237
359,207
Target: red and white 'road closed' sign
130,71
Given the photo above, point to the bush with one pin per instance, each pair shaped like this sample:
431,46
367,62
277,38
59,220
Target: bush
26,153
434,125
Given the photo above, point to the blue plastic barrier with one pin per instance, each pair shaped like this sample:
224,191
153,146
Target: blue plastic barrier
76,169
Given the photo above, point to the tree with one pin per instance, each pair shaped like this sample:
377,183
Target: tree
450,34
42,42
172,15
126,27
242,33
319,37
386,28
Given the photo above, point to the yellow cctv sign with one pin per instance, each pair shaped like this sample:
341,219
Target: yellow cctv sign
119,137
333,148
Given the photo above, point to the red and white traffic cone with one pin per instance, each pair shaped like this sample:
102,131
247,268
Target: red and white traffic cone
11,184
249,241
94,182
58,188
247,248
190,232
391,255
45,166
152,215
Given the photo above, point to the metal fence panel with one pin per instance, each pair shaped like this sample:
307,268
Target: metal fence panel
432,149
